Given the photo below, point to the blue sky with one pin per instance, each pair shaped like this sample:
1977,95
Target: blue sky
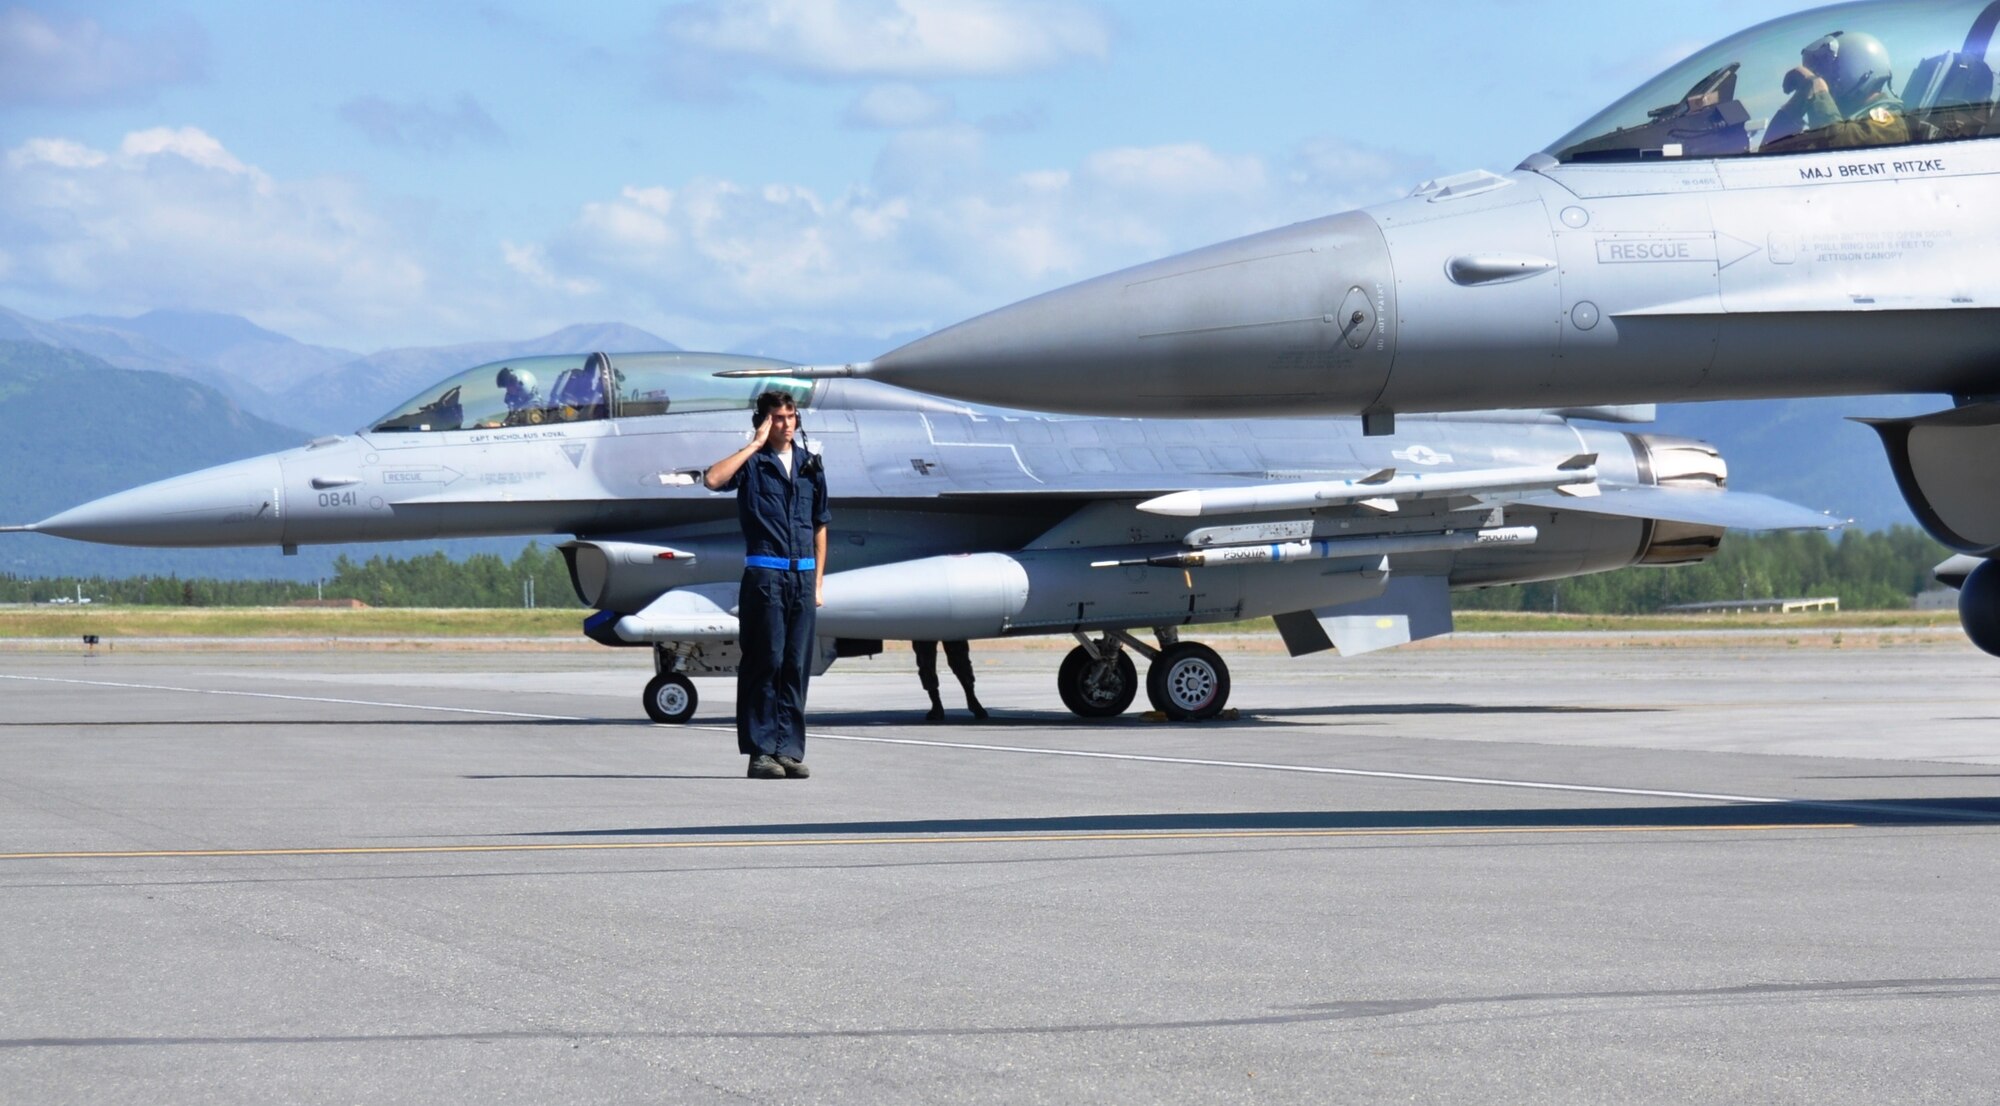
373,174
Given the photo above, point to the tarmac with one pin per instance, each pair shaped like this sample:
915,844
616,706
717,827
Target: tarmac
1722,870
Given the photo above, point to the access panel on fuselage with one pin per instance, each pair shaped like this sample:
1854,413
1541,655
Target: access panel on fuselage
1639,289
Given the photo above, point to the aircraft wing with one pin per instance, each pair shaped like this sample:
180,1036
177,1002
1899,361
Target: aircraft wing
1102,486
1730,510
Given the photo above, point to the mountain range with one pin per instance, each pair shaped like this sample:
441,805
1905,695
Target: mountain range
92,404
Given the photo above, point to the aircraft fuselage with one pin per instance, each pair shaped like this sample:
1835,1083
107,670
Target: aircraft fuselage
1557,285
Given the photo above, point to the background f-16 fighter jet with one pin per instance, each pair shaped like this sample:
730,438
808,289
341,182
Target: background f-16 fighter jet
1807,208
953,523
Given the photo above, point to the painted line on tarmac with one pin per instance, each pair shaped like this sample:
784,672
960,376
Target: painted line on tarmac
1142,758
1312,769
981,747
302,698
988,839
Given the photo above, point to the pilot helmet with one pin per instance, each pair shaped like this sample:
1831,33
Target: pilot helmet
1854,66
522,378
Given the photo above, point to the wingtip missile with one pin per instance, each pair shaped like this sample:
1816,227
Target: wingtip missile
1177,504
1323,549
802,372
1380,491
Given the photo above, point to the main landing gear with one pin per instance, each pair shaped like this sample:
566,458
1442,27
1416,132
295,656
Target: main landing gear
1185,680
669,697
1097,679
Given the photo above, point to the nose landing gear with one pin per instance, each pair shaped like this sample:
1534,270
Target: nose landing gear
669,697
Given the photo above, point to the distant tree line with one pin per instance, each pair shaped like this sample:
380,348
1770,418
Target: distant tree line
425,580
1878,570
435,580
1875,570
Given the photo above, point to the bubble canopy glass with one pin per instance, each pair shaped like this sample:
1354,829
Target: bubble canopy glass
533,391
1721,101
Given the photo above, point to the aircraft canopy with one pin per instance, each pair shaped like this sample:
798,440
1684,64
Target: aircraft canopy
1734,99
531,391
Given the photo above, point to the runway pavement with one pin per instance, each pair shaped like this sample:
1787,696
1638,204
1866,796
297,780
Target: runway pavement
1728,871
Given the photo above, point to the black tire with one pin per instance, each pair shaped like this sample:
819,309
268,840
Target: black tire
1188,682
1091,689
670,698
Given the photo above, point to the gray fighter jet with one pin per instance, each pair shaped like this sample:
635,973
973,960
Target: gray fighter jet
1803,209
954,523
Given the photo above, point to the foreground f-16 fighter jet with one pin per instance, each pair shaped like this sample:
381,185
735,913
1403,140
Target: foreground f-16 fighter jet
1807,208
954,523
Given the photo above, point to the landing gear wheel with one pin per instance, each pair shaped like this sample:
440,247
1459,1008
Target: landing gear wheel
1097,689
670,698
1188,682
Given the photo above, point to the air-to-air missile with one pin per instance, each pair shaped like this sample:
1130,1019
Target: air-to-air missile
954,523
1806,208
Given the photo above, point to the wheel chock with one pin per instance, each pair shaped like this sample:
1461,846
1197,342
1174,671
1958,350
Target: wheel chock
1226,714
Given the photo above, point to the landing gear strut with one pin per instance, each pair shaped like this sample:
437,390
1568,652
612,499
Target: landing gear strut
1097,679
1185,680
670,697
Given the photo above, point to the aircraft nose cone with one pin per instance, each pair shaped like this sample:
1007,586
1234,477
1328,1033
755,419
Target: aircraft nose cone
1259,325
235,504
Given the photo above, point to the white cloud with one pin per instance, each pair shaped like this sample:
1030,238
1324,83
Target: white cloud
897,106
1189,169
1349,174
53,151
1045,180
172,218
937,234
528,261
417,125
188,143
907,39
77,62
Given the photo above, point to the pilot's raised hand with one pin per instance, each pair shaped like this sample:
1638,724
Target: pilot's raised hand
762,434
1803,82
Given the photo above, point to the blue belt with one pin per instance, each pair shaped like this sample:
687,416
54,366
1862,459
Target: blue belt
803,564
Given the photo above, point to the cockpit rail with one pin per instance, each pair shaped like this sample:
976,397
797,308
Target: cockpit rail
1824,79
586,388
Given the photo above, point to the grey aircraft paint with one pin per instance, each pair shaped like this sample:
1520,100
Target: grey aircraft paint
1718,234
953,522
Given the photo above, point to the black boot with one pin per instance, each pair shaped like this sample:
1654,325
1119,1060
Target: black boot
972,704
936,713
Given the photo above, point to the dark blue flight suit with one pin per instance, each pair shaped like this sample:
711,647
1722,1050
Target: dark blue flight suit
776,607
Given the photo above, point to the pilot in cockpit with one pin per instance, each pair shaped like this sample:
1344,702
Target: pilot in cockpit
524,399
1841,98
